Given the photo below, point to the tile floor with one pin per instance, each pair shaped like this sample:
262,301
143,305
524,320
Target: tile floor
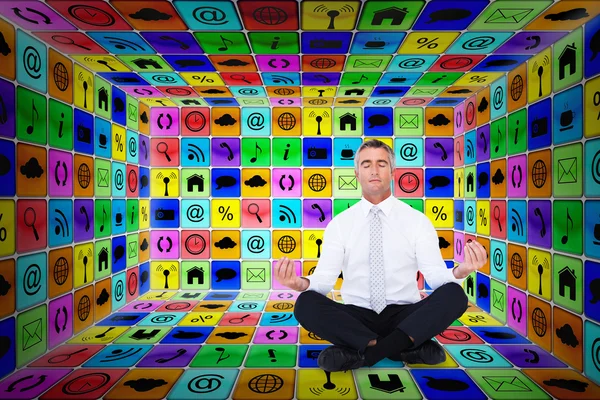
248,345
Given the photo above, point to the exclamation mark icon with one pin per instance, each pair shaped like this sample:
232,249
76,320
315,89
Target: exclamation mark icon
60,126
275,43
272,355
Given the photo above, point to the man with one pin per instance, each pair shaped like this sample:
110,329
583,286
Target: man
379,244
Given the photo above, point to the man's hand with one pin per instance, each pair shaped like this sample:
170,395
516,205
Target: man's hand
475,258
285,274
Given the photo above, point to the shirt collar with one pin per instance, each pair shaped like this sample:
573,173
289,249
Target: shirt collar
385,206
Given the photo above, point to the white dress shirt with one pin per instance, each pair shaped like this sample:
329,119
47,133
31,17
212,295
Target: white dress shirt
410,243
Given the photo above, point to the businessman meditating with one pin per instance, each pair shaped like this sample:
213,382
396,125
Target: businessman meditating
379,244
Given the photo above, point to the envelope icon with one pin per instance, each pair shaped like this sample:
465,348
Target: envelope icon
347,182
132,112
32,334
367,63
132,249
498,300
102,177
567,170
506,384
425,91
508,15
255,275
409,121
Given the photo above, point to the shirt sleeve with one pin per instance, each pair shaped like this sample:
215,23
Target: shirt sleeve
429,257
330,263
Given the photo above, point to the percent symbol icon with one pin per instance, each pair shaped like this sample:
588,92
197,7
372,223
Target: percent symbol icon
430,43
205,79
2,231
478,79
597,102
482,216
439,213
201,318
477,318
226,213
119,139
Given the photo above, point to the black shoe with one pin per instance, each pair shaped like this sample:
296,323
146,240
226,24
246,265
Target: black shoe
338,358
429,352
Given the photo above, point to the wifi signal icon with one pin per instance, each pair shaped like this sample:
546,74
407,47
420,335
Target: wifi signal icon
120,354
124,44
276,318
284,80
62,227
195,152
287,214
517,222
470,149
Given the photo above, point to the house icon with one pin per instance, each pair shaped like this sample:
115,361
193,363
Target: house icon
470,286
348,119
567,278
566,59
195,180
103,99
195,273
470,182
103,259
396,14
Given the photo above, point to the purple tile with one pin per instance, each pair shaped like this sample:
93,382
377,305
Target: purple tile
225,152
528,356
286,182
317,213
483,143
539,215
164,245
7,109
290,101
144,151
147,306
168,356
284,295
34,15
316,79
143,91
83,220
529,42
164,121
60,178
39,380
278,63
172,42
438,152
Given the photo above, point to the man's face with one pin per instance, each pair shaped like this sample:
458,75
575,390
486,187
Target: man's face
374,174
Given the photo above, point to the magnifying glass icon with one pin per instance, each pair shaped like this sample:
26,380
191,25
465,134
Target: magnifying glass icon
162,147
68,40
239,77
64,357
253,209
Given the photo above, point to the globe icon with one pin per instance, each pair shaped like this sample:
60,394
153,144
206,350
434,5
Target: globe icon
270,15
516,88
317,182
284,92
516,265
538,319
317,102
323,63
539,173
265,383
286,244
83,176
61,271
286,121
61,76
83,308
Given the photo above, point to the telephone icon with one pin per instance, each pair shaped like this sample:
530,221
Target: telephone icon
83,211
536,39
317,207
179,353
439,146
538,212
226,146
536,356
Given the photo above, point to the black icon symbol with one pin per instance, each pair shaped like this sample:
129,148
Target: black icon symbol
230,154
195,121
4,47
317,153
225,46
57,327
169,119
169,241
319,119
287,214
539,69
225,243
166,180
439,120
150,14
166,271
163,148
442,149
210,16
536,42
32,279
34,111
291,178
164,215
253,209
395,14
19,13
539,127
567,59
332,14
225,120
498,98
315,206
91,15
323,63
256,121
62,227
83,211
476,43
68,40
32,169
325,44
497,217
568,15
123,44
30,217
567,279
538,212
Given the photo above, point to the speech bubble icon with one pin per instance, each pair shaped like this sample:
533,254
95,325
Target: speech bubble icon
378,120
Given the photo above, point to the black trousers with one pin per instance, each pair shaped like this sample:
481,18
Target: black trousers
352,326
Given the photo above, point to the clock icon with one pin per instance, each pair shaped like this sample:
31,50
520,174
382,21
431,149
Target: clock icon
195,244
408,182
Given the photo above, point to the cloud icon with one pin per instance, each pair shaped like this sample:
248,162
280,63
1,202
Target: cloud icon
226,243
232,335
573,15
32,168
566,335
150,14
255,181
4,286
457,91
225,120
103,298
233,62
483,105
145,385
213,91
439,120
4,47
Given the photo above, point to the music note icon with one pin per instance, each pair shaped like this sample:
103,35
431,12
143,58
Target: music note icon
225,48
565,238
362,76
256,150
103,218
34,111
498,145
